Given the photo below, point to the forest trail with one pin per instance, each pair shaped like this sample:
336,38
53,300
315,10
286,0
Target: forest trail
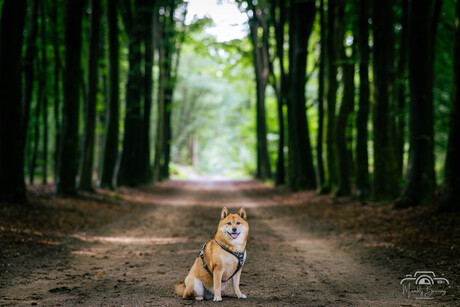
136,259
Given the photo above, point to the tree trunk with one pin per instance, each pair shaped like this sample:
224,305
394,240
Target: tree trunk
175,39
280,176
36,127
44,97
131,172
279,20
57,93
104,114
112,126
12,185
159,145
319,139
91,99
163,81
167,130
169,50
400,88
385,186
301,170
331,45
362,167
260,54
346,107
72,80
420,170
148,84
451,197
29,62
343,156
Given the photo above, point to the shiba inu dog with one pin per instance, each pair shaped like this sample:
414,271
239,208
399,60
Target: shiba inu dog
220,260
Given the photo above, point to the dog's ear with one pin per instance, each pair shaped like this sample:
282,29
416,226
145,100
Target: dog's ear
224,213
242,213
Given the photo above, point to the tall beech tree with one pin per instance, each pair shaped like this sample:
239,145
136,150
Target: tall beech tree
321,72
91,99
278,17
420,179
39,120
12,185
259,38
30,62
53,15
331,51
148,13
44,91
451,198
401,88
176,34
169,38
385,184
36,137
362,156
110,154
346,107
301,170
160,133
68,154
131,170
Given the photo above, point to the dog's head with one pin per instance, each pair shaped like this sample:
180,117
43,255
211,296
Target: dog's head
233,227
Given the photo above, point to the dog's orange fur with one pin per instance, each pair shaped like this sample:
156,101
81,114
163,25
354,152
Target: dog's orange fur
222,264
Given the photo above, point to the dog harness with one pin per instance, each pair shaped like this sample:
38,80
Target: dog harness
238,256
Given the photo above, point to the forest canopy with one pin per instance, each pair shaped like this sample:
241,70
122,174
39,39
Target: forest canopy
357,98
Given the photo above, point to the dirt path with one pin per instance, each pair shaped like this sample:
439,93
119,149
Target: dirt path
135,260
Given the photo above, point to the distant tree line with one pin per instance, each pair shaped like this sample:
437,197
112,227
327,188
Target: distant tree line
376,100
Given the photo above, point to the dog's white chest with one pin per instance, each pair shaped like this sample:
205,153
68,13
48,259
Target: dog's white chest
230,264
229,261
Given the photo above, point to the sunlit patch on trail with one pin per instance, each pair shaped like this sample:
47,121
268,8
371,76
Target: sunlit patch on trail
131,240
379,244
189,193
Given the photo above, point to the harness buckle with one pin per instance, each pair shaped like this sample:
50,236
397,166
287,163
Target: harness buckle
241,258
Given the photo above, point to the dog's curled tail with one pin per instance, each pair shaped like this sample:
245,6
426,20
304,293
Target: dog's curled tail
179,287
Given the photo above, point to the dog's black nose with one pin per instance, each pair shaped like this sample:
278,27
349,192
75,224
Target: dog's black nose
234,229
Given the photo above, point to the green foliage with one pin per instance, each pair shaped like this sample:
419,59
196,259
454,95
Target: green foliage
214,104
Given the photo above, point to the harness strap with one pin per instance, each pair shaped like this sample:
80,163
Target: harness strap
239,257
202,259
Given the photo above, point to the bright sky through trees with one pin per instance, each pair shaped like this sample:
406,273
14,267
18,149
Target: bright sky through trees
228,22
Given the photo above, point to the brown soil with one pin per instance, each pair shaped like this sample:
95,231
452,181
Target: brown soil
128,247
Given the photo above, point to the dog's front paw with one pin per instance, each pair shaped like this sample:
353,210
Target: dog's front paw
242,296
217,298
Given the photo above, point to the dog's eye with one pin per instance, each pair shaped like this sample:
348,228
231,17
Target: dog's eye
237,223
229,223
